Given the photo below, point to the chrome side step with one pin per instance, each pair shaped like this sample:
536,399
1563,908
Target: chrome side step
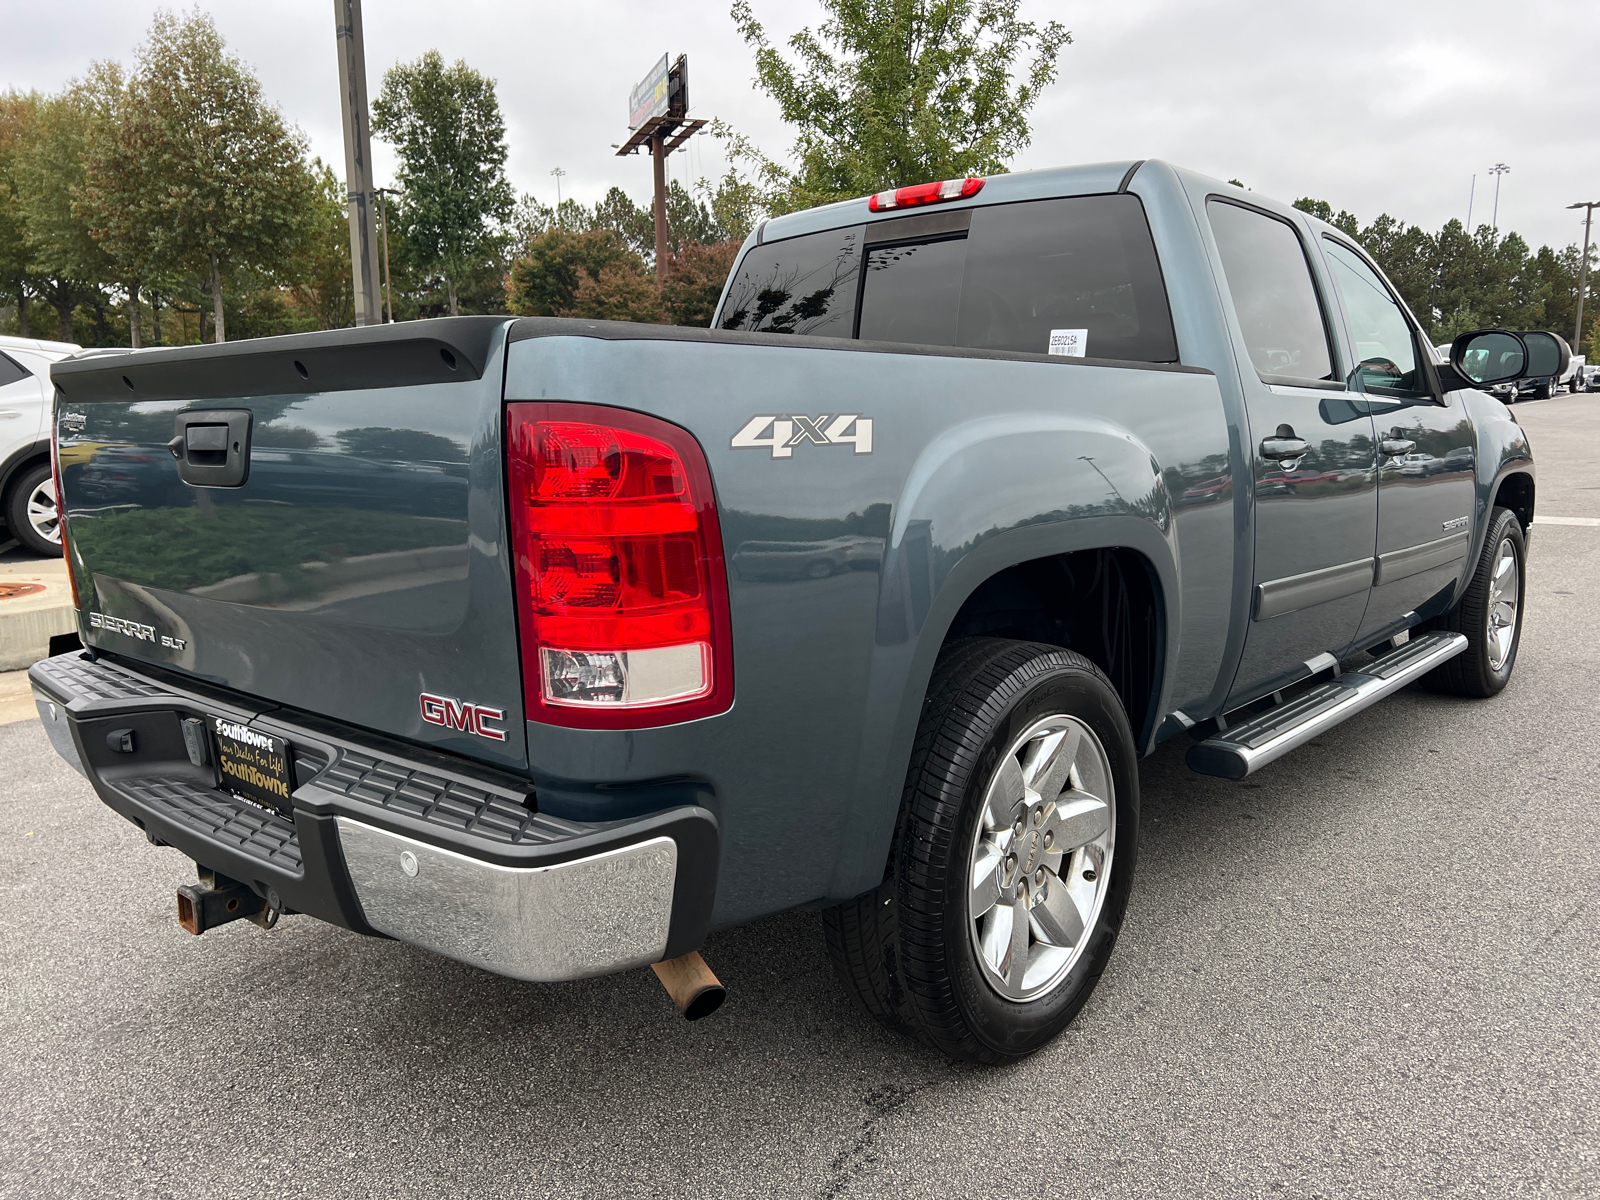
1250,745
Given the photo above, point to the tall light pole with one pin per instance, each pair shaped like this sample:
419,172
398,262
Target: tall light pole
1583,270
357,159
1497,170
558,173
1472,194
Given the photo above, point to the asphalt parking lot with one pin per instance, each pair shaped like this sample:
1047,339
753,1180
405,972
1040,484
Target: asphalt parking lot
1370,970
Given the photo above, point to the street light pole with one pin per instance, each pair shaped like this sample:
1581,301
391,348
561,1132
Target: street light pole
357,159
1497,170
1472,194
558,173
1583,269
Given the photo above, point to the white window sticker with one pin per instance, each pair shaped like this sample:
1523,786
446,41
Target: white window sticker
1072,342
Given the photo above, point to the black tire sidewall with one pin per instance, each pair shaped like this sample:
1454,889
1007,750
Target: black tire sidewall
1506,527
1006,1028
16,511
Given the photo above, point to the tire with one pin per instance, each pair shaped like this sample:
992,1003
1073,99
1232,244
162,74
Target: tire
1485,666
916,952
26,511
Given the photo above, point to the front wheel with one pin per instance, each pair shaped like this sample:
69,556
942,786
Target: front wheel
1490,615
1013,856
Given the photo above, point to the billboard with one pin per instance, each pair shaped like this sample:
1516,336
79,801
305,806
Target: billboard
649,96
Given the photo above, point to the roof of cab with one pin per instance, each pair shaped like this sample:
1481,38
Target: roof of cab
1085,180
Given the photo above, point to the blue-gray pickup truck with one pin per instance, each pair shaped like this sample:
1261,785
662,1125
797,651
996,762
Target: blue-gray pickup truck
550,645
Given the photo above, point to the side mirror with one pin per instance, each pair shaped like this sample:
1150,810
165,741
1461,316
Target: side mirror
1489,356
1548,353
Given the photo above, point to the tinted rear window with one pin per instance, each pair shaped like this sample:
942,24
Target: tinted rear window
799,285
11,370
1084,267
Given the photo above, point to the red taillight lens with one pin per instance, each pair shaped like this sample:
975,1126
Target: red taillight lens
925,193
621,588
61,504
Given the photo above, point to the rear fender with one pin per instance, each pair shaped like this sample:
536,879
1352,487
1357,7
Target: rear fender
985,496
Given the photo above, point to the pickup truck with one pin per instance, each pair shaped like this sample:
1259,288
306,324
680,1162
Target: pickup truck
550,645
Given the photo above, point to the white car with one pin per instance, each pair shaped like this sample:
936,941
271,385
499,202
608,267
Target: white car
27,491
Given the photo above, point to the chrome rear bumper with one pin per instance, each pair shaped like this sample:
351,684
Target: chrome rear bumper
588,916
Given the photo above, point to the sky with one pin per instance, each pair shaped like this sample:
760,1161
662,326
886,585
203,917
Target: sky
1372,105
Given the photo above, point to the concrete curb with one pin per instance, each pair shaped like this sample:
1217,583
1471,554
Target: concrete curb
27,623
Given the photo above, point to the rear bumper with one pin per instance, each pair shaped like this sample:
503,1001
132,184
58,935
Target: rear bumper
389,839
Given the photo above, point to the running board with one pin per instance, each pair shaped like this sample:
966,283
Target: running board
1246,747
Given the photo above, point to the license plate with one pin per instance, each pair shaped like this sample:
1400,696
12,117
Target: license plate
254,764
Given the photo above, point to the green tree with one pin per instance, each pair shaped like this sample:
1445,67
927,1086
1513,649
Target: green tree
18,118
892,92
67,261
445,125
544,279
322,285
233,184
693,280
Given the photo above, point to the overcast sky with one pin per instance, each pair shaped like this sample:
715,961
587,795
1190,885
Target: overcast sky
1373,105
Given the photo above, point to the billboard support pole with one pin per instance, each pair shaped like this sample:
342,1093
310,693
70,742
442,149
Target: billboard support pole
659,153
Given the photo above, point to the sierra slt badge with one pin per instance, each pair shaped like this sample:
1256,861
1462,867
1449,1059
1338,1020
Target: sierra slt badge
845,429
134,629
463,715
1457,523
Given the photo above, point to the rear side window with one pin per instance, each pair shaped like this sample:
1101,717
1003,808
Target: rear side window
1270,280
1079,274
10,371
799,285
1084,264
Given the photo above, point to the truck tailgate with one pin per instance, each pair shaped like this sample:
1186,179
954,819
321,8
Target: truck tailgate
360,569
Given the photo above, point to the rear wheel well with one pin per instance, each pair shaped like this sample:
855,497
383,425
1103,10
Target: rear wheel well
1105,604
1516,493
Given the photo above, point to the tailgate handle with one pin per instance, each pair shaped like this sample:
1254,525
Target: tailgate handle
212,448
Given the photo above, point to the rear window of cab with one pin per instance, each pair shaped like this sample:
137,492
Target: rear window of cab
1075,276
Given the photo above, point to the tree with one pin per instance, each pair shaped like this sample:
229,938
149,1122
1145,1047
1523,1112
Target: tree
893,92
322,283
67,261
445,125
545,278
692,283
233,185
18,116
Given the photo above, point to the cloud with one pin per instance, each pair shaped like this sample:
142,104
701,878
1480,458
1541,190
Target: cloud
1372,105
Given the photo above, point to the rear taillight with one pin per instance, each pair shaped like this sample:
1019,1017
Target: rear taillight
61,504
621,589
925,193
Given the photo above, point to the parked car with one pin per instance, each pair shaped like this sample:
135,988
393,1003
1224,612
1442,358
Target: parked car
27,491
612,693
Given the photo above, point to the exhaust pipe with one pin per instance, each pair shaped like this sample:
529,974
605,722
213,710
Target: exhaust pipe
693,988
217,900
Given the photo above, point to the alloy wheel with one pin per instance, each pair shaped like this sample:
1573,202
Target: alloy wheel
42,512
1041,857
1505,588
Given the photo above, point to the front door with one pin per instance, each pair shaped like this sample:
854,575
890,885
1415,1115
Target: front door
1426,469
1311,443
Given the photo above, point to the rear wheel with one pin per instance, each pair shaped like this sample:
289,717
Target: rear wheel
1490,615
1013,856
31,511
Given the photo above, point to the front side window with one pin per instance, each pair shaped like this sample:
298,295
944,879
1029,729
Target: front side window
799,285
1269,277
1386,353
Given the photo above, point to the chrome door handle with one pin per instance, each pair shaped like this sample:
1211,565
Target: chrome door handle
1395,447
1281,448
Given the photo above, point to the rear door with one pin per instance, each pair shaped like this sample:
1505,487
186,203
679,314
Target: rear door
1425,443
22,401
1311,447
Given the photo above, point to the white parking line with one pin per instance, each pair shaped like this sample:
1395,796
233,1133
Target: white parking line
1541,519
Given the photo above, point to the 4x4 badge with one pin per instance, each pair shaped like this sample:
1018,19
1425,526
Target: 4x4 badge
845,429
